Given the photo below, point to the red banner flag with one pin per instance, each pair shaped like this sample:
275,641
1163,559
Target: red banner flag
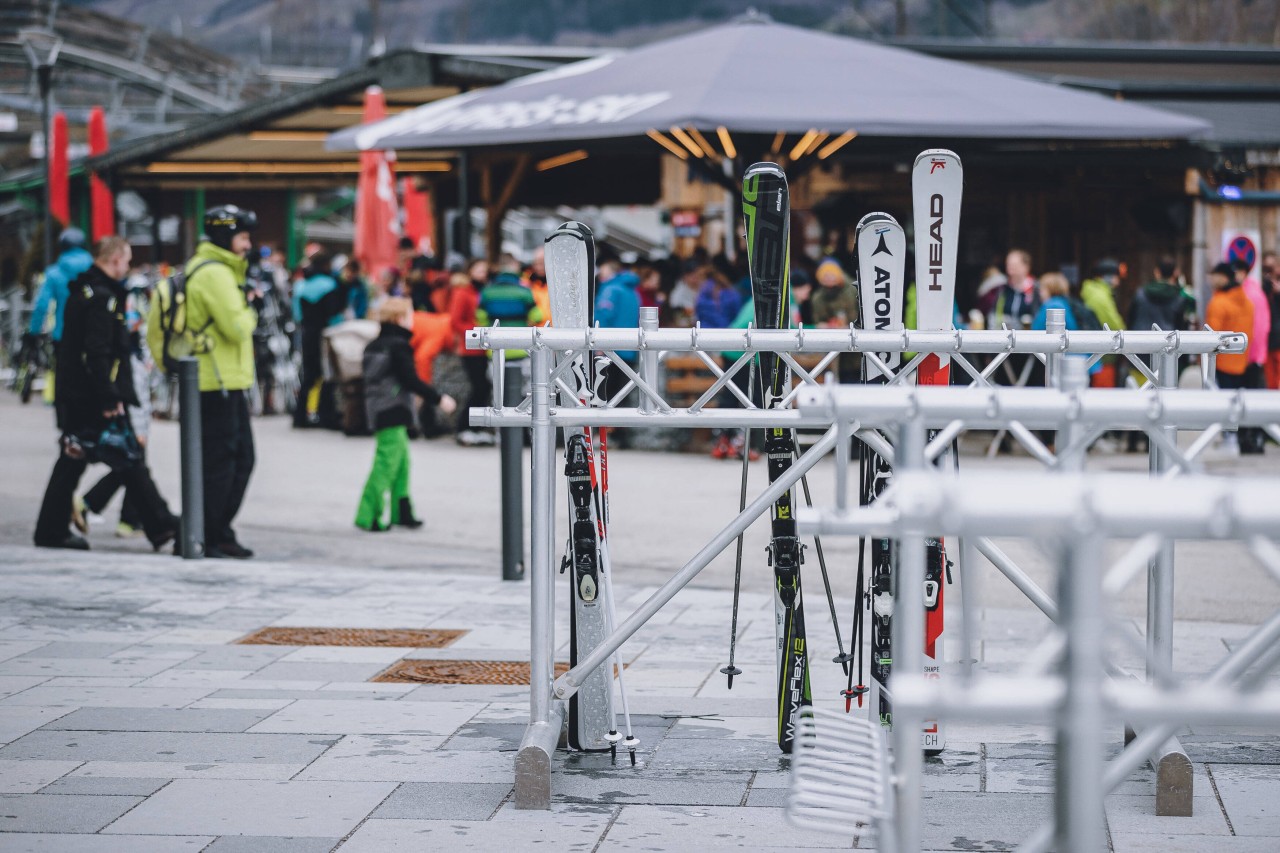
56,151
419,225
102,205
377,214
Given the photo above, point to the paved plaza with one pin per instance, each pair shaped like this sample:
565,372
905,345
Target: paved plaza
132,719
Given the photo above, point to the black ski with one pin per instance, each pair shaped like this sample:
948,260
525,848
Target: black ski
766,209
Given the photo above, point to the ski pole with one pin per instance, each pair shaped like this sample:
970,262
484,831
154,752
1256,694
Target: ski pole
732,670
843,658
859,605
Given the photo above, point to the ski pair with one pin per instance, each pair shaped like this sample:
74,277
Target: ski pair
570,265
937,186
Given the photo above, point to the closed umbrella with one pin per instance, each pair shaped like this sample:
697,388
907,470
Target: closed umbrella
101,202
377,214
59,192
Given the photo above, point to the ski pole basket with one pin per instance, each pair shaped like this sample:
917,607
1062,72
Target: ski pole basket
839,773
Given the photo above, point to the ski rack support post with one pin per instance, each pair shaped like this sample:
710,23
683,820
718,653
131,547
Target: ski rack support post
546,716
511,441
1076,514
1055,322
547,712
648,358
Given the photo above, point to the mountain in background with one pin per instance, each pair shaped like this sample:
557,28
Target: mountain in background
339,33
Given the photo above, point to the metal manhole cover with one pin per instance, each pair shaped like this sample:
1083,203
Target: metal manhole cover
402,637
460,672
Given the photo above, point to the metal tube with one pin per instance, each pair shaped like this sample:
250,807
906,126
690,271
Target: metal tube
511,440
908,646
567,684
1055,323
648,360
1160,587
1017,576
191,450
1078,812
541,585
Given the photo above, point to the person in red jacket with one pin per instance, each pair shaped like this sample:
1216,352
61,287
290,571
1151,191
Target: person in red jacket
432,335
1230,310
464,300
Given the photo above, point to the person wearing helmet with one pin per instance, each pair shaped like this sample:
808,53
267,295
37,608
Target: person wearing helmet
218,303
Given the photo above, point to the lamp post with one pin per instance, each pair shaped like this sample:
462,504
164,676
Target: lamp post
41,47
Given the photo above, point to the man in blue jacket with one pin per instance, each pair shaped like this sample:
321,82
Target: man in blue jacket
73,259
618,307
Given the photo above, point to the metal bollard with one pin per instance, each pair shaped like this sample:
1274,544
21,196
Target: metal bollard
191,450
511,446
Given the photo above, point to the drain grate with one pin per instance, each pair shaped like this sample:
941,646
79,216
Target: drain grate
460,672
402,637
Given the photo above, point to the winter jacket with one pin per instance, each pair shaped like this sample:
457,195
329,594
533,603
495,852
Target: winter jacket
1230,310
717,306
506,300
1096,293
1042,316
1012,304
829,302
1162,304
94,370
318,301
1261,328
57,279
432,335
391,380
618,307
216,304
463,302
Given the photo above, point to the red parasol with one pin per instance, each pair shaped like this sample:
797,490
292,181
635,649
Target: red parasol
56,151
418,222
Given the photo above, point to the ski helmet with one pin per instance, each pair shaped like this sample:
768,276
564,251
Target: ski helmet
70,238
223,222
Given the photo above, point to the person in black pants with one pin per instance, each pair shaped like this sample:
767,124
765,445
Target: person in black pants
95,383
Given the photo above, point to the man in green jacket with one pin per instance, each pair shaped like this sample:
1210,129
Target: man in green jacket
1099,294
218,306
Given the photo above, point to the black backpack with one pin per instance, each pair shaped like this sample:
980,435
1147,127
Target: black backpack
1085,318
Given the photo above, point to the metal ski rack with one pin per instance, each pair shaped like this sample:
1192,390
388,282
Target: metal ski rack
548,367
1073,514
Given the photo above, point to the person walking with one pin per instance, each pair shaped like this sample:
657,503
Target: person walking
73,259
1271,286
1230,310
390,381
318,302
95,385
218,304
1098,293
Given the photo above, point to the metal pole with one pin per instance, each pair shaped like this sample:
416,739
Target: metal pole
191,448
44,76
1160,578
464,208
511,441
908,645
648,359
1055,323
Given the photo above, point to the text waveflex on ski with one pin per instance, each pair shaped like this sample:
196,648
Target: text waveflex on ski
937,183
881,248
570,264
766,210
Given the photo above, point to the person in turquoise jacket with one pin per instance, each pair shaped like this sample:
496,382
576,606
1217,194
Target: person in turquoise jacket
73,259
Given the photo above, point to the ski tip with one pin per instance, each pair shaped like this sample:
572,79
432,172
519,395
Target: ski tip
930,153
764,168
573,228
875,216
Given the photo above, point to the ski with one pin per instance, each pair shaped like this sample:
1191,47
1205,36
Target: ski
766,211
570,263
881,248
937,183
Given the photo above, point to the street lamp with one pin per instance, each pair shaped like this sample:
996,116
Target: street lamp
41,47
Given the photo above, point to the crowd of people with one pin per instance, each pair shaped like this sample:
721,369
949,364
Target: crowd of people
245,309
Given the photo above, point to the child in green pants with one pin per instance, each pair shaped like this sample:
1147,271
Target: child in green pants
390,381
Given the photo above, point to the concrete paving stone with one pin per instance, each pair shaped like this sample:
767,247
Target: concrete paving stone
16,648
60,842
558,829
379,688
721,753
219,679
204,748
250,690
768,798
76,650
238,704
156,720
1124,842
105,697
237,657
293,809
19,720
992,734
341,654
444,801
631,786
11,684
186,770
1251,795
1021,776
199,636
27,777
402,758
115,666
322,672
677,707
1126,813
1237,749
314,716
968,821
99,786
749,728
60,813
1142,782
92,681
270,844
709,828
500,737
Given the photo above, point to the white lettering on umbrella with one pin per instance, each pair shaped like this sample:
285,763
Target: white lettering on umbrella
553,109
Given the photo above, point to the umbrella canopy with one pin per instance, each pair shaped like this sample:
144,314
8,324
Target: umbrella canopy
101,203
377,215
754,76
